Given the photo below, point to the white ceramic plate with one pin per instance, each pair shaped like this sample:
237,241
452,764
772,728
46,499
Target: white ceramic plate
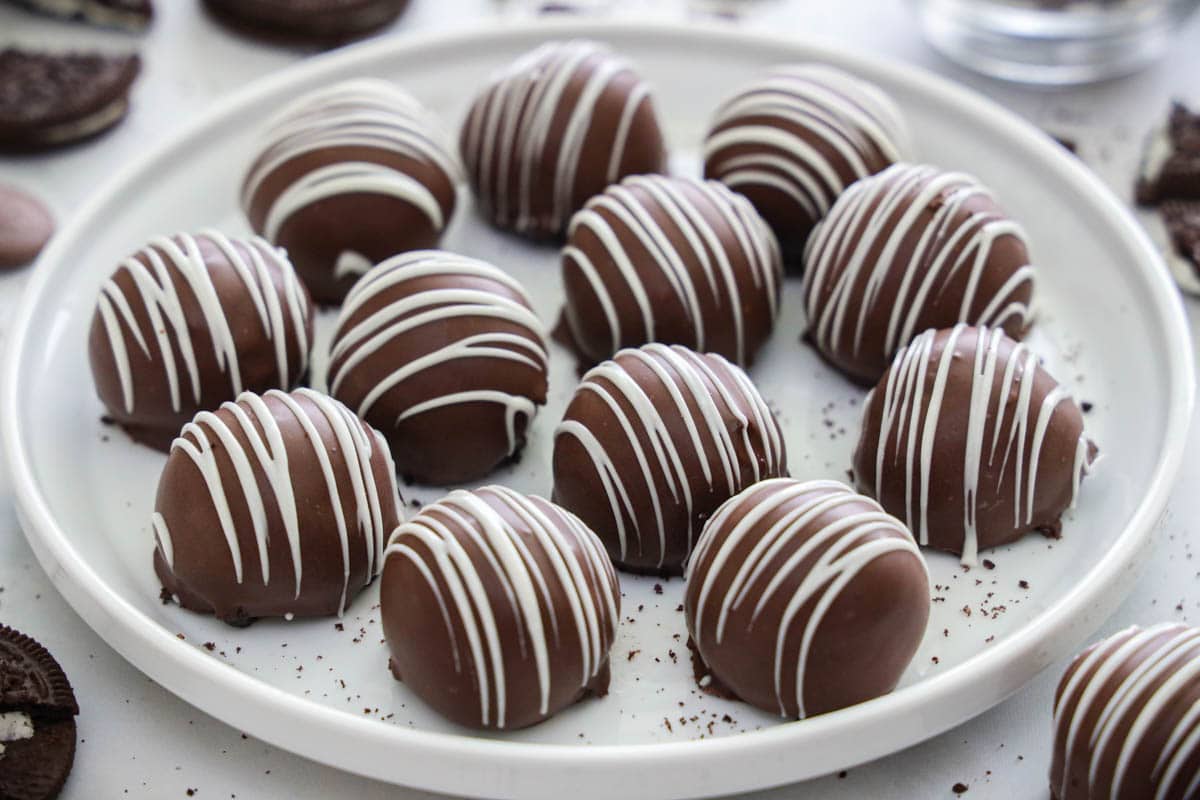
1110,326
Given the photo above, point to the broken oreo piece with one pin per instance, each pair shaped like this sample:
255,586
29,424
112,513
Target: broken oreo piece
50,100
37,720
129,15
1171,165
1182,218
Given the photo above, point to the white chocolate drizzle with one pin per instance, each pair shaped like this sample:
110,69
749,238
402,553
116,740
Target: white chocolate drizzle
724,438
440,307
703,269
509,578
855,251
811,125
212,443
368,115
507,130
913,398
841,549
1129,681
165,274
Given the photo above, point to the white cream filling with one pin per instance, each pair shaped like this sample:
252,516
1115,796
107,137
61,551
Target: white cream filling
14,726
95,12
85,126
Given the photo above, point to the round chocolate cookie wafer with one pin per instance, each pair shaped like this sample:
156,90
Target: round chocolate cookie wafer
50,100
321,22
37,720
25,227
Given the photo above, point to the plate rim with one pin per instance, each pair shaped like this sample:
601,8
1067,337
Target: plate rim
512,769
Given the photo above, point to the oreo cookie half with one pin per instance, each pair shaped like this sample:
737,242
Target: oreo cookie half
49,100
320,22
37,720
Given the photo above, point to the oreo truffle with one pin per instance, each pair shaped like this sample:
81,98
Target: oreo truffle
906,250
1127,718
189,322
792,140
276,505
652,442
671,260
554,128
443,354
348,176
971,442
805,597
499,608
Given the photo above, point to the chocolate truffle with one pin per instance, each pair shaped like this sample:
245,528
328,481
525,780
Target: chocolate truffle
671,260
350,175
189,322
906,250
274,505
443,354
553,129
499,608
652,442
804,597
794,139
971,442
1127,718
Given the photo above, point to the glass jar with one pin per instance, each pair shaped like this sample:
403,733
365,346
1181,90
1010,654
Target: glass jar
1053,42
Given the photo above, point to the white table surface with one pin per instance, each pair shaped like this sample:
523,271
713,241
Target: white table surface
138,740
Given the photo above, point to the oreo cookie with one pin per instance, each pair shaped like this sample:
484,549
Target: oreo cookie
25,227
129,15
51,100
319,22
1171,164
37,720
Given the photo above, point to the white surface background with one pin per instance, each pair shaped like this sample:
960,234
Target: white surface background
137,740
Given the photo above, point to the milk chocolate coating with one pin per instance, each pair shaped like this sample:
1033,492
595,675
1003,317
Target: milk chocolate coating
499,608
804,597
348,176
652,442
275,505
443,354
189,322
971,442
671,260
554,128
793,139
1127,718
906,250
